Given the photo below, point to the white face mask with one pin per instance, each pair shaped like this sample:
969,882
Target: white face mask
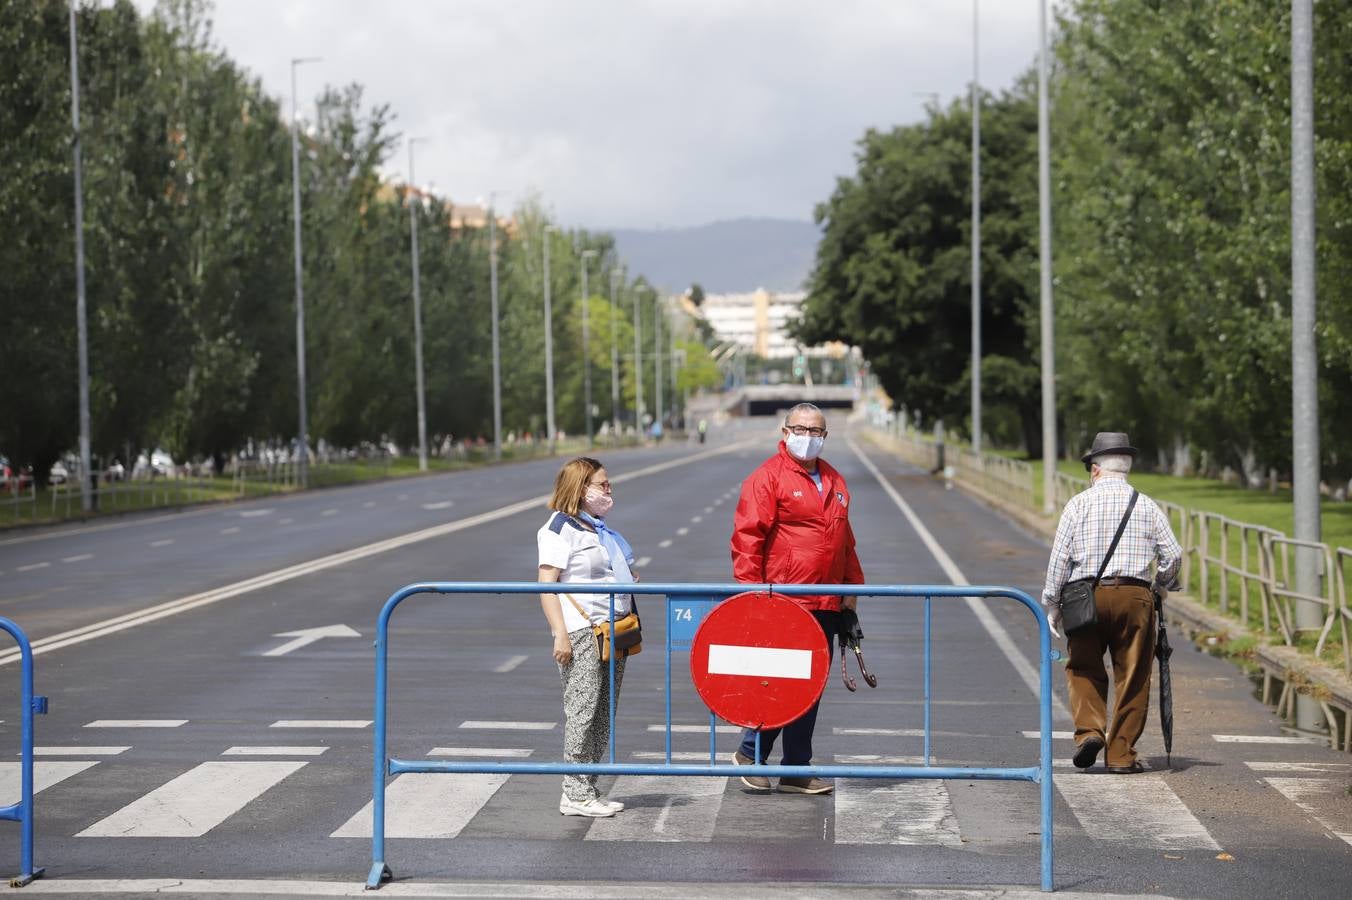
804,446
597,502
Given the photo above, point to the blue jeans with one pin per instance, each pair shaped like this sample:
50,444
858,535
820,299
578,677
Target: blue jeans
797,747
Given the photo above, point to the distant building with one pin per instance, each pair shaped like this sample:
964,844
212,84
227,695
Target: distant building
758,321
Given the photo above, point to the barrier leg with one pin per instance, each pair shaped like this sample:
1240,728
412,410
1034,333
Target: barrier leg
928,670
380,873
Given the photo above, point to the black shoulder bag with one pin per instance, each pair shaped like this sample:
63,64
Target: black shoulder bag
1078,609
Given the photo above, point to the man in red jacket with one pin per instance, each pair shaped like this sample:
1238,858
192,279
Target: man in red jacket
792,526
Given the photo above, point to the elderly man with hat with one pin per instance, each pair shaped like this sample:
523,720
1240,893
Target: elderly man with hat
1146,559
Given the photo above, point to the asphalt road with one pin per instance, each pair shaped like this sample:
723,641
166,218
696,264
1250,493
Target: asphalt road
206,744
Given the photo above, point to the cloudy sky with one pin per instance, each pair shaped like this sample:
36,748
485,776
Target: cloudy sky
635,113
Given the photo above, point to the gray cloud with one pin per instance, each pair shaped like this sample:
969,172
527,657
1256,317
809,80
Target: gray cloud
635,112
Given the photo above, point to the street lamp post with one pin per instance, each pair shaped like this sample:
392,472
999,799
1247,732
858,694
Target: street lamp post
586,344
657,353
638,362
82,329
493,302
304,470
413,202
976,233
615,276
549,348
1045,240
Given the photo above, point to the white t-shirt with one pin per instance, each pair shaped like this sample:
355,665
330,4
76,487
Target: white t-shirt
565,543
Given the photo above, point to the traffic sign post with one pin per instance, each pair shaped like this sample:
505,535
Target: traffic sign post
759,660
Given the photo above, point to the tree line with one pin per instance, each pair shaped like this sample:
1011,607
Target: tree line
189,264
1170,132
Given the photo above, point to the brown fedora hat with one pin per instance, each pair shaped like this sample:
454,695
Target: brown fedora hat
1106,442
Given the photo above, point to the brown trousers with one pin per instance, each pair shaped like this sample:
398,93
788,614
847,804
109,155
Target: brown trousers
1126,630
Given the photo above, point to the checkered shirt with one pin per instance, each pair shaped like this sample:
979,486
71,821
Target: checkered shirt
1086,530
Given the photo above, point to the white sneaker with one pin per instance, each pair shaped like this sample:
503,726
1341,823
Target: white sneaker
594,809
613,804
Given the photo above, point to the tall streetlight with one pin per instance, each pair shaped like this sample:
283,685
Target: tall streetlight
976,232
657,353
1304,365
82,330
413,203
586,343
497,353
304,472
1044,185
549,347
615,276
638,361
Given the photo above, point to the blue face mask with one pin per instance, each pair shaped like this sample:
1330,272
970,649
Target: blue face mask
804,446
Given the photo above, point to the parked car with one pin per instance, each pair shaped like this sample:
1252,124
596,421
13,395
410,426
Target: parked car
115,471
162,464
58,474
14,479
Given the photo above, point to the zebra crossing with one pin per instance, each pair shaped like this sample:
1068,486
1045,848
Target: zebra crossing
1142,810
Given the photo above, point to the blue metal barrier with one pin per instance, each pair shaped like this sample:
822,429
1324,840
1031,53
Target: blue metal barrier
22,812
705,595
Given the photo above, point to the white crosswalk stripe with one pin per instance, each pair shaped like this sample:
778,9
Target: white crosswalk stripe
1139,809
427,805
901,812
662,808
1325,799
45,774
195,802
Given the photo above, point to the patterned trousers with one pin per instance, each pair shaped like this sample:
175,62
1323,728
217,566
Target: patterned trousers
586,710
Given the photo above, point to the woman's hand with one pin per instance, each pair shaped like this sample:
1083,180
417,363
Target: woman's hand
563,649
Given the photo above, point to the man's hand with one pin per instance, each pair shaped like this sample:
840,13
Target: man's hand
848,602
1054,621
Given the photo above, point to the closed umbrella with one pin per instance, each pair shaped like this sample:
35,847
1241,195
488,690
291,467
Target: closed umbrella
1162,652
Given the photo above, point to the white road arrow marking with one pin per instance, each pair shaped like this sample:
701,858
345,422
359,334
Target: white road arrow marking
309,636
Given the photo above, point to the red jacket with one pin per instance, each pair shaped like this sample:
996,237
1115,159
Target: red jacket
784,532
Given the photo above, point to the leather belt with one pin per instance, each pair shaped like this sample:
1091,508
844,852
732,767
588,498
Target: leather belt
1124,582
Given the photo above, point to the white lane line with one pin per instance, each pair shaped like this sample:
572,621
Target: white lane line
708,509
879,759
443,504
696,729
511,663
163,542
42,565
1140,811
1268,739
329,512
664,544
759,662
1324,799
254,513
907,813
45,774
74,559
136,723
273,751
507,726
1026,671
662,808
79,751
427,805
676,755
269,579
887,732
484,752
682,531
695,520
1056,735
1315,768
233,529
195,802
642,561
285,521
368,504
321,723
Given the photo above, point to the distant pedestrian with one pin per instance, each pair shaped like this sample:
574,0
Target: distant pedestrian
577,547
1123,601
792,527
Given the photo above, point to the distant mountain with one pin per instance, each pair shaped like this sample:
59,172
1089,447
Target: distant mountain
723,257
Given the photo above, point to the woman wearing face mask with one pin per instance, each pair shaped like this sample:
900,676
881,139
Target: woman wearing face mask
577,547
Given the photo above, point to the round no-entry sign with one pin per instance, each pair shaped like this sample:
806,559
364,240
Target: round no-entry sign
759,660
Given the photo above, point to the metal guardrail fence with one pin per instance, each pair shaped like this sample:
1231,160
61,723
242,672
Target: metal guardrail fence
14,498
684,594
22,812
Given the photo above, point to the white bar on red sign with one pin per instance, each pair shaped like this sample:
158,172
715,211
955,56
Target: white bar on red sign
759,662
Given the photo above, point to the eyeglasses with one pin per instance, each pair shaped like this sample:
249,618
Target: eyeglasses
603,485
801,430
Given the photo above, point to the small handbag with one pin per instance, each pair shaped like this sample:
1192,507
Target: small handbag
628,632
1078,609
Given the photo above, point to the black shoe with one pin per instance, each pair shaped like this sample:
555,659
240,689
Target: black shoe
1135,768
1086,754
